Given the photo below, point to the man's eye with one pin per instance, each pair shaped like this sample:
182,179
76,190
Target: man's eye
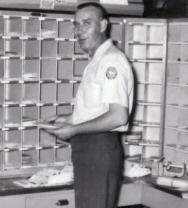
75,24
87,23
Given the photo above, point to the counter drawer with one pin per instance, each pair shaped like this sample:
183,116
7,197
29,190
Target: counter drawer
51,200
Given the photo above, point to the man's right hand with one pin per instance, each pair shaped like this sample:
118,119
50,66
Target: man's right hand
58,119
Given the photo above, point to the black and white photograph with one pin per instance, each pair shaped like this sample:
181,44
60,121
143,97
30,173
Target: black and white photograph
94,103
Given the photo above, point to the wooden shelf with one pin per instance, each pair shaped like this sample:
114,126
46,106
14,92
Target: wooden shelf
135,8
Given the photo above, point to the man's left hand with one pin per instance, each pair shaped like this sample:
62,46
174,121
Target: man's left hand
64,132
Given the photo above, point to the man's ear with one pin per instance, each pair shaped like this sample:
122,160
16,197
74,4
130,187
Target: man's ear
103,24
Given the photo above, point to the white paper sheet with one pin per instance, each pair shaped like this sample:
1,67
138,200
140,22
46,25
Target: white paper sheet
119,2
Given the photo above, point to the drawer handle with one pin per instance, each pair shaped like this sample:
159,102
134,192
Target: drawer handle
62,202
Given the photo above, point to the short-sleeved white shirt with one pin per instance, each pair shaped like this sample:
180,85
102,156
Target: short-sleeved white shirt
107,79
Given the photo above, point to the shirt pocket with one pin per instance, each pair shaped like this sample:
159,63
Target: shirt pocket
92,96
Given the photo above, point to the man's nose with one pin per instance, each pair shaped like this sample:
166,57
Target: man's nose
81,29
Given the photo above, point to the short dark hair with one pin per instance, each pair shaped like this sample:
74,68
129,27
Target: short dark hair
96,5
102,11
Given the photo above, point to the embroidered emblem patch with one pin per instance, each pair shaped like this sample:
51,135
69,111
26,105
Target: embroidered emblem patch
111,73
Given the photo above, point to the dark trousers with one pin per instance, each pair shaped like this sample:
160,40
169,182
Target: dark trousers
97,160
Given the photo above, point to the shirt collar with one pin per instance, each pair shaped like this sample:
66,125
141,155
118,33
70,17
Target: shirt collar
102,49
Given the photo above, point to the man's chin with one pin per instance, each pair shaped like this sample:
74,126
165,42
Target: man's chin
84,48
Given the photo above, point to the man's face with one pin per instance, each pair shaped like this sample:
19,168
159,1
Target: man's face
88,29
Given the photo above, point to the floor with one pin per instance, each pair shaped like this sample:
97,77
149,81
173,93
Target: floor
135,206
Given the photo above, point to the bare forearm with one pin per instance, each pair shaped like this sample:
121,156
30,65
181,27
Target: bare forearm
103,123
115,117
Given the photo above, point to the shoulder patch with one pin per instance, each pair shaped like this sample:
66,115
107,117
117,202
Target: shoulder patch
111,73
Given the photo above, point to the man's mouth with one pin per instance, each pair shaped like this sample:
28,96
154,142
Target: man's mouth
82,39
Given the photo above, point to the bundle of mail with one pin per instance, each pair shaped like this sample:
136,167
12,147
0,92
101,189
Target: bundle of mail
49,177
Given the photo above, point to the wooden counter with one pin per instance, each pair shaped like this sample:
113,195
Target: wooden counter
133,191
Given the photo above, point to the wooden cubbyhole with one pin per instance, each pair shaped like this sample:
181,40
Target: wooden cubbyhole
49,48
139,92
13,48
184,53
63,154
32,28
1,46
65,92
31,69
138,113
65,48
31,92
2,26
65,69
48,70
152,114
2,62
47,111
184,31
13,26
139,71
151,133
116,31
13,92
47,141
137,33
30,112
77,49
13,69
66,109
137,52
46,156
12,139
79,66
1,160
2,109
13,115
182,157
156,34
49,28
170,136
146,52
32,48
173,73
182,139
174,53
132,150
155,52
170,155
48,93
183,98
183,121
174,33
30,138
1,139
2,93
150,151
177,33
171,117
155,72
66,30
30,158
12,160
154,93
172,93
184,74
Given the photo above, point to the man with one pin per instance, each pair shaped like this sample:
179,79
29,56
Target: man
102,109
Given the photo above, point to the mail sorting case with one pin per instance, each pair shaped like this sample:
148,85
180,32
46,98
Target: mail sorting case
145,45
158,51
41,66
176,119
